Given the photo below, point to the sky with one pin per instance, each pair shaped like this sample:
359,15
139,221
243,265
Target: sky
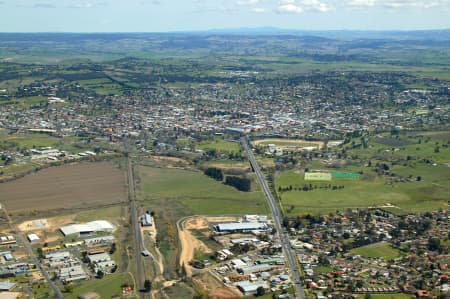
193,15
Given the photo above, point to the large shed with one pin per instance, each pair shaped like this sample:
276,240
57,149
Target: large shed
240,227
87,228
248,287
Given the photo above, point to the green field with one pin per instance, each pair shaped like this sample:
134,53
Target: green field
429,194
378,250
107,287
416,181
38,140
317,176
198,193
221,146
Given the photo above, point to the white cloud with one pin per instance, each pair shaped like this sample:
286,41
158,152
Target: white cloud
399,4
259,10
87,4
316,5
289,8
362,3
282,2
247,2
44,5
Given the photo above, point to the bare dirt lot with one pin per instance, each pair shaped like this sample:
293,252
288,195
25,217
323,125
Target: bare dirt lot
189,243
65,187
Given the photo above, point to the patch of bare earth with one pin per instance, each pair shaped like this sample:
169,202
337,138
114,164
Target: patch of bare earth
189,243
216,289
80,185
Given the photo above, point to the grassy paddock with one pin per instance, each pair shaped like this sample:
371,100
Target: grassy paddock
378,250
198,193
429,194
219,145
107,287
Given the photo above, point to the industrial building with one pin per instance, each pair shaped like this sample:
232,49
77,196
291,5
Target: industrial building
240,227
33,238
247,287
146,220
254,269
87,228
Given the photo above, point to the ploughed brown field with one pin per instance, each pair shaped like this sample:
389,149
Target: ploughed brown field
64,187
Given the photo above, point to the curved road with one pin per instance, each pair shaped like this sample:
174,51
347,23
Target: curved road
278,219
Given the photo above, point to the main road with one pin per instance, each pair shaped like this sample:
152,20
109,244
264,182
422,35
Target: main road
278,219
140,275
29,250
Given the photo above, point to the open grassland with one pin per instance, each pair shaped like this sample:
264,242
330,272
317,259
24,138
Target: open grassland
417,179
27,141
221,146
379,250
428,145
107,287
198,193
65,187
429,194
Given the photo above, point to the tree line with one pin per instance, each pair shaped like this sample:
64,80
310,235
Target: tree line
240,183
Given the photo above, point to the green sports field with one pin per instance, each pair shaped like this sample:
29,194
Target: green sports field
379,250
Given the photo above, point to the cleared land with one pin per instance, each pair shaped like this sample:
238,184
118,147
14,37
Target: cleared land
65,187
189,244
199,193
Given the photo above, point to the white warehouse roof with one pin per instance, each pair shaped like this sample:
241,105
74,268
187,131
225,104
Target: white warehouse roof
240,226
85,228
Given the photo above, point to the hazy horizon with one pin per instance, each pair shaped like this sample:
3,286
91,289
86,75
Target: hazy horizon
163,16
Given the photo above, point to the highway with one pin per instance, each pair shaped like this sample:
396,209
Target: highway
29,250
278,220
140,275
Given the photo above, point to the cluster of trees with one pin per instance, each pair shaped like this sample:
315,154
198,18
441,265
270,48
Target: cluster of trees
242,184
309,187
215,173
242,248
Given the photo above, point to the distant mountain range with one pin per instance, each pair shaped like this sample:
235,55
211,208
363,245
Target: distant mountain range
435,34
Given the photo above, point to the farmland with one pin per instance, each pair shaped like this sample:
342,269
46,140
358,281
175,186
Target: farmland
65,187
198,193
